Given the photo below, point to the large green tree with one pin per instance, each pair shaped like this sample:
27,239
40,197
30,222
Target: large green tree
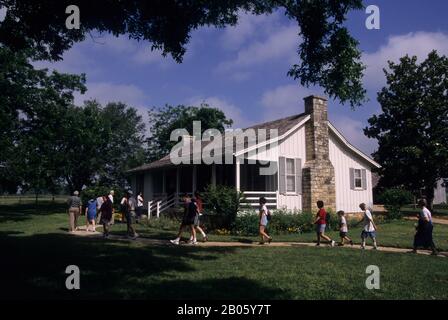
163,121
412,130
31,103
329,55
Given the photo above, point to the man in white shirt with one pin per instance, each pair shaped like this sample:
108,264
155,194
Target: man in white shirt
369,229
139,205
111,197
423,235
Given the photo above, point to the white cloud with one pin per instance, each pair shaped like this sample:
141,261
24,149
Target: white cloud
75,60
248,26
415,43
280,44
353,131
285,101
230,110
105,92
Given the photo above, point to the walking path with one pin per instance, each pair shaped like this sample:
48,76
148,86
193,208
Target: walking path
434,220
159,242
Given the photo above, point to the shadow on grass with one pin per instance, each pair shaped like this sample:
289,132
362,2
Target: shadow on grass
21,212
35,268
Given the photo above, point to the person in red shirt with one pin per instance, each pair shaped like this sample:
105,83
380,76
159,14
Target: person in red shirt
321,224
197,218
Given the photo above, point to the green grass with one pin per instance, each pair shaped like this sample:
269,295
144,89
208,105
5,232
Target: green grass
36,250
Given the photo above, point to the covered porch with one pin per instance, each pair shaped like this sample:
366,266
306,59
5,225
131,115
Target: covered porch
163,187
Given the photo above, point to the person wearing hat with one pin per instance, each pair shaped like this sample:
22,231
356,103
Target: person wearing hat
74,210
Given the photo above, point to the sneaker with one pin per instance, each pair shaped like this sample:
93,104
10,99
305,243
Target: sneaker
135,236
194,242
260,243
363,247
205,239
317,244
332,243
270,240
340,244
375,248
176,242
351,243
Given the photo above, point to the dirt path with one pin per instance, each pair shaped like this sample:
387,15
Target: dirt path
434,220
159,242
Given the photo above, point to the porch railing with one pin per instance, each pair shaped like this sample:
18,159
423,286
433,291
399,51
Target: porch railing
161,204
252,198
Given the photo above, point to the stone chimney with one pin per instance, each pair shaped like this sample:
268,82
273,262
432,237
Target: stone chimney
318,172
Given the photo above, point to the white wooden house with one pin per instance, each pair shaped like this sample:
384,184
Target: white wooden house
313,161
440,193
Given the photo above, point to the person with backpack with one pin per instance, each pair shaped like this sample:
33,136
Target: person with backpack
265,216
91,214
321,223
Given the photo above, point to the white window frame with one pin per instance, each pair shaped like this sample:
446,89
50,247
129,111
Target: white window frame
357,178
290,175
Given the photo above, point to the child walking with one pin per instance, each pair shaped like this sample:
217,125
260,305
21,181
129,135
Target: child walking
369,230
321,224
264,212
343,229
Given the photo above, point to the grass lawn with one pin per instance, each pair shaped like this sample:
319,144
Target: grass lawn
36,251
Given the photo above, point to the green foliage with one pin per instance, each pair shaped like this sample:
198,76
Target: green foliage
394,199
223,201
412,130
328,54
163,121
163,223
96,191
247,222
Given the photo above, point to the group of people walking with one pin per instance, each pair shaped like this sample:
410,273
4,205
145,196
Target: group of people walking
101,211
423,235
132,208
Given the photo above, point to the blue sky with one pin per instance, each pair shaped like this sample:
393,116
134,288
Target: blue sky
242,69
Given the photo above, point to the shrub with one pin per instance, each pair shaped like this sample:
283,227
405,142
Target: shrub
247,222
225,202
394,199
163,223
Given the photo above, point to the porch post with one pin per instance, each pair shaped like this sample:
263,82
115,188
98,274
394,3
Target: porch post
164,181
213,175
194,179
177,184
237,177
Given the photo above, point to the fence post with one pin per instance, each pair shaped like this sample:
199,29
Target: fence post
158,209
149,209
